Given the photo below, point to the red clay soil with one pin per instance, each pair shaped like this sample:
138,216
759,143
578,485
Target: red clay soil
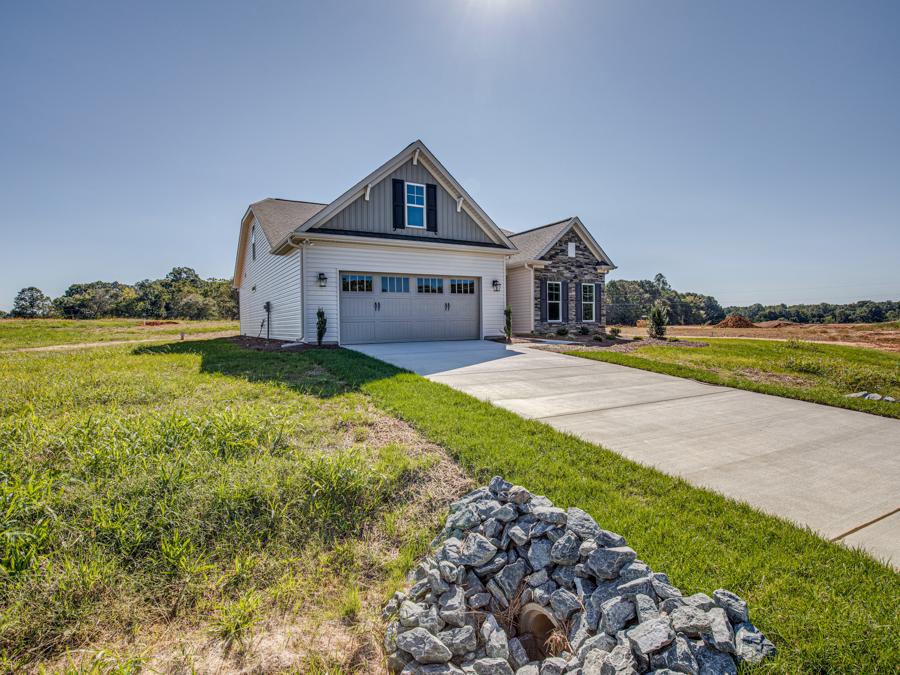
777,323
736,321
159,323
263,345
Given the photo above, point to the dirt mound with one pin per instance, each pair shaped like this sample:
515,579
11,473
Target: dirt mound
777,323
159,323
736,321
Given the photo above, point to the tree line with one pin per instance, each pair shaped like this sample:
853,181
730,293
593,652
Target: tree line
864,311
181,294
629,301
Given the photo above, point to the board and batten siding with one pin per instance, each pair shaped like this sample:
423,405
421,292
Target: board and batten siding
376,215
278,280
334,258
520,288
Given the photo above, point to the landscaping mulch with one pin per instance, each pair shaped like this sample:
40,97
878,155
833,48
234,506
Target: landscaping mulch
264,345
623,346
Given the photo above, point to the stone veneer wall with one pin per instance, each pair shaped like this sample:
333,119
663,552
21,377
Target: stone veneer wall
580,269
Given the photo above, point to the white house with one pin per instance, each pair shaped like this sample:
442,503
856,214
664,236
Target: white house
405,254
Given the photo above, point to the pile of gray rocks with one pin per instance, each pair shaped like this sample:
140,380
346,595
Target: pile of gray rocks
871,396
506,556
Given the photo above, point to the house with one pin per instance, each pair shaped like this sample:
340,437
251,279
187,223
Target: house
557,279
405,254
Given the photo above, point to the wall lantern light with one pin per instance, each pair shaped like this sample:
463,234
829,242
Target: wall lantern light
496,284
323,280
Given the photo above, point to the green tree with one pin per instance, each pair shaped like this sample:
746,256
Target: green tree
659,319
31,303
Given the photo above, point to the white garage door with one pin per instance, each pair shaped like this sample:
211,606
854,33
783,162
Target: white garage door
404,308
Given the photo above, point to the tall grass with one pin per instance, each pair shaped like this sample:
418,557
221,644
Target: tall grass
169,490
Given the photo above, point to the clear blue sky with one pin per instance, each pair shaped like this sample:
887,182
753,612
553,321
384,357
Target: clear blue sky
747,150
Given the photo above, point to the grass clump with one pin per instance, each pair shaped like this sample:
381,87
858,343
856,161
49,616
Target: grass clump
819,373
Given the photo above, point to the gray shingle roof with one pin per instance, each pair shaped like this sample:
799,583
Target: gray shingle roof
280,217
531,242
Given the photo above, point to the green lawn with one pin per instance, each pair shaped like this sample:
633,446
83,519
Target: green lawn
808,371
214,490
17,333
202,492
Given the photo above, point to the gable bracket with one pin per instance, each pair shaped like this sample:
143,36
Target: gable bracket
459,203
368,191
416,157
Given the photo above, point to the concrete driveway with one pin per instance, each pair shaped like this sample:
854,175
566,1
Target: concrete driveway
835,470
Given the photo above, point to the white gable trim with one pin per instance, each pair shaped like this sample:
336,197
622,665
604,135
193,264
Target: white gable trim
423,155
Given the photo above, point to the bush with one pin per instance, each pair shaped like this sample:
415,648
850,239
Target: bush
583,330
599,337
615,331
321,325
658,320
507,324
562,330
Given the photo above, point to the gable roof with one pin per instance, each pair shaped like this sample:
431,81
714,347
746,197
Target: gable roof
279,217
534,243
418,153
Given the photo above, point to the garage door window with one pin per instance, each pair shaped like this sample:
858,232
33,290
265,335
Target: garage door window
429,285
395,284
462,286
356,283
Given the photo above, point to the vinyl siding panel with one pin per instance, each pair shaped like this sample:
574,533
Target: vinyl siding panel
278,280
520,291
333,258
376,215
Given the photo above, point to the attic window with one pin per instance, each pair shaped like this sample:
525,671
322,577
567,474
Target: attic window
571,249
253,241
415,205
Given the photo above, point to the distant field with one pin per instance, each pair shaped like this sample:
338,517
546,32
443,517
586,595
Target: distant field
885,336
21,333
817,372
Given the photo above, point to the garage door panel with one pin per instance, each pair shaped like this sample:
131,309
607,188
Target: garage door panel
384,316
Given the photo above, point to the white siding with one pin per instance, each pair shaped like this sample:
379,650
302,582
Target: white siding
278,280
520,285
333,258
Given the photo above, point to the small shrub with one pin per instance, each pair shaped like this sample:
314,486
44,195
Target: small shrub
584,330
507,323
562,330
615,331
599,337
321,325
658,320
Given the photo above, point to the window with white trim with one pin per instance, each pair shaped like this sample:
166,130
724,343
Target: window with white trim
429,285
395,284
587,303
356,283
462,286
415,205
554,301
